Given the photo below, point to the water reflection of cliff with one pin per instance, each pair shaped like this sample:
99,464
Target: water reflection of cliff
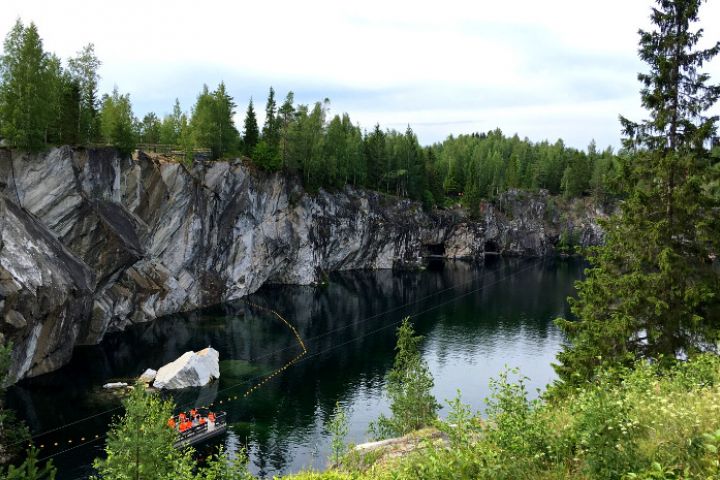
348,327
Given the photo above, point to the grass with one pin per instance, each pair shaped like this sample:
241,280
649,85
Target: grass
644,423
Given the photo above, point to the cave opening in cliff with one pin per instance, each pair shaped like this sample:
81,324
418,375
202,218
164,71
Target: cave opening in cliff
433,250
491,247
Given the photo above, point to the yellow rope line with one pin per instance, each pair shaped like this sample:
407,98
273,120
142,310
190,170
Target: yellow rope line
279,370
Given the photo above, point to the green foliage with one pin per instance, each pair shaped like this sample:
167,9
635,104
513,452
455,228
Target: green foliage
212,124
150,129
338,428
409,387
13,433
273,123
171,125
647,422
251,133
117,123
26,89
140,445
84,71
328,153
652,292
30,469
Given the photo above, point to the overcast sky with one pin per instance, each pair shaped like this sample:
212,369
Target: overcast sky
543,69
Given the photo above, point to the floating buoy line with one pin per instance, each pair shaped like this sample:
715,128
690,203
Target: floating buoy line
259,381
255,383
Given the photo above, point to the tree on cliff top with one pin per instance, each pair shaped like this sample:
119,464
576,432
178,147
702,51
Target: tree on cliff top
84,70
651,291
251,133
117,122
24,89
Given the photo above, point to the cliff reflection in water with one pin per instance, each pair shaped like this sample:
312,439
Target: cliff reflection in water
474,318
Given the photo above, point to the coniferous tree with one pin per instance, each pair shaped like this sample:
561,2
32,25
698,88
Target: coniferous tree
652,292
25,91
251,133
375,153
409,386
266,153
285,117
271,128
224,113
69,112
141,445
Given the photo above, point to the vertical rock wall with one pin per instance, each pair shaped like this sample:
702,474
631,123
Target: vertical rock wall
91,242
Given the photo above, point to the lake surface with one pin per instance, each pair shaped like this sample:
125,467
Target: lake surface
475,319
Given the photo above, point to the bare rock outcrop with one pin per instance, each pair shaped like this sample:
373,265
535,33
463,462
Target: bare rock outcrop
191,369
91,242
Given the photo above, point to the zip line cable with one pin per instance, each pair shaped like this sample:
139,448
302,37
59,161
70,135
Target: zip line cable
303,355
245,382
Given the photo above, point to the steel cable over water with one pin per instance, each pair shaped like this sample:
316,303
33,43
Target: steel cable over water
302,356
260,357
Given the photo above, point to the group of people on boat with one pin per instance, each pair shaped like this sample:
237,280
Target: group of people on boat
187,420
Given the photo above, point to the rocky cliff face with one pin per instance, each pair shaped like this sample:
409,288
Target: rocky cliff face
91,242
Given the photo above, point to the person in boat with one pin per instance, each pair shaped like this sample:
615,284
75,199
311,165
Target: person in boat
171,423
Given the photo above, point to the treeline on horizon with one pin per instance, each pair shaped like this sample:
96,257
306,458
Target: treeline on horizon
43,102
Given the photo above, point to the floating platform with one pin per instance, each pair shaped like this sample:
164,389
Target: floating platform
202,432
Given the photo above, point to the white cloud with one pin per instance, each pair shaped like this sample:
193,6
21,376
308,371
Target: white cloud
556,68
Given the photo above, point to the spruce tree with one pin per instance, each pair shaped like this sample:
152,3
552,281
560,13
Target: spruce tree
652,292
228,135
270,131
251,133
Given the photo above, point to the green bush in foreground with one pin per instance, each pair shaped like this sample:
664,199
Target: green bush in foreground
645,423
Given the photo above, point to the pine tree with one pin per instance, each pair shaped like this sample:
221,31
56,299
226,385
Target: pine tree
652,292
251,133
409,386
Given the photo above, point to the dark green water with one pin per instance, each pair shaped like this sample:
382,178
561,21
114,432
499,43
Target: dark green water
475,319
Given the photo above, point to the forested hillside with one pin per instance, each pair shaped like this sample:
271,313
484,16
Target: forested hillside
45,101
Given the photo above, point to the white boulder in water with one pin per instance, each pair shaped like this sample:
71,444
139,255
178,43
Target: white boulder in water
192,369
112,385
147,376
